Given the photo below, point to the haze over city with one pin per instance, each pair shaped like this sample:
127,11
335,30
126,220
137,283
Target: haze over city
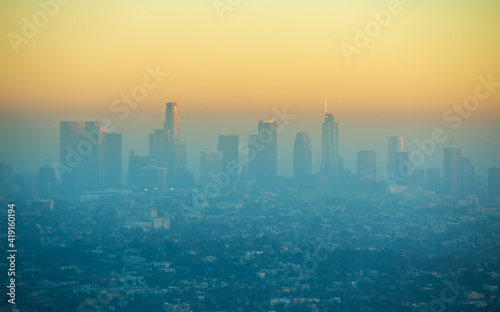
263,155
228,74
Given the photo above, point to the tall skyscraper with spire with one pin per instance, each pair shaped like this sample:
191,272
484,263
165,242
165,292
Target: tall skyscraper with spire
330,162
171,125
166,149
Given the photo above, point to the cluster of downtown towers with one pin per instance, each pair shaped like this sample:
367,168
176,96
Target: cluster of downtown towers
91,160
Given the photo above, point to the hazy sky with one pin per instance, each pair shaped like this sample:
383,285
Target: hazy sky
227,73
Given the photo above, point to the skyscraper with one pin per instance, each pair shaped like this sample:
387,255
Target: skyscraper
366,164
403,168
171,126
112,165
82,149
264,168
167,150
228,145
330,162
46,181
302,160
451,169
418,179
134,164
152,179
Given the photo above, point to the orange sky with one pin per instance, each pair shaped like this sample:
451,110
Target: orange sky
263,54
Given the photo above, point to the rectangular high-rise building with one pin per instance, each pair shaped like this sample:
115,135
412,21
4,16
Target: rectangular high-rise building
330,165
366,164
403,168
264,167
228,145
112,165
82,150
134,164
171,126
167,150
451,169
46,181
302,161
395,145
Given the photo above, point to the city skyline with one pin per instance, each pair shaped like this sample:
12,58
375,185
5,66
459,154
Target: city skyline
288,150
242,66
91,155
236,155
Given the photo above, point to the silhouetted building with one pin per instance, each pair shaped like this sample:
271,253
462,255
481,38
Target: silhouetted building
46,181
451,169
366,164
156,147
228,145
211,165
152,179
264,166
330,162
112,166
494,181
402,170
134,164
418,179
467,174
82,146
166,150
302,160
395,146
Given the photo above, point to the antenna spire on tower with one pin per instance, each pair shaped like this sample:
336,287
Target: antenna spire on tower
326,105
